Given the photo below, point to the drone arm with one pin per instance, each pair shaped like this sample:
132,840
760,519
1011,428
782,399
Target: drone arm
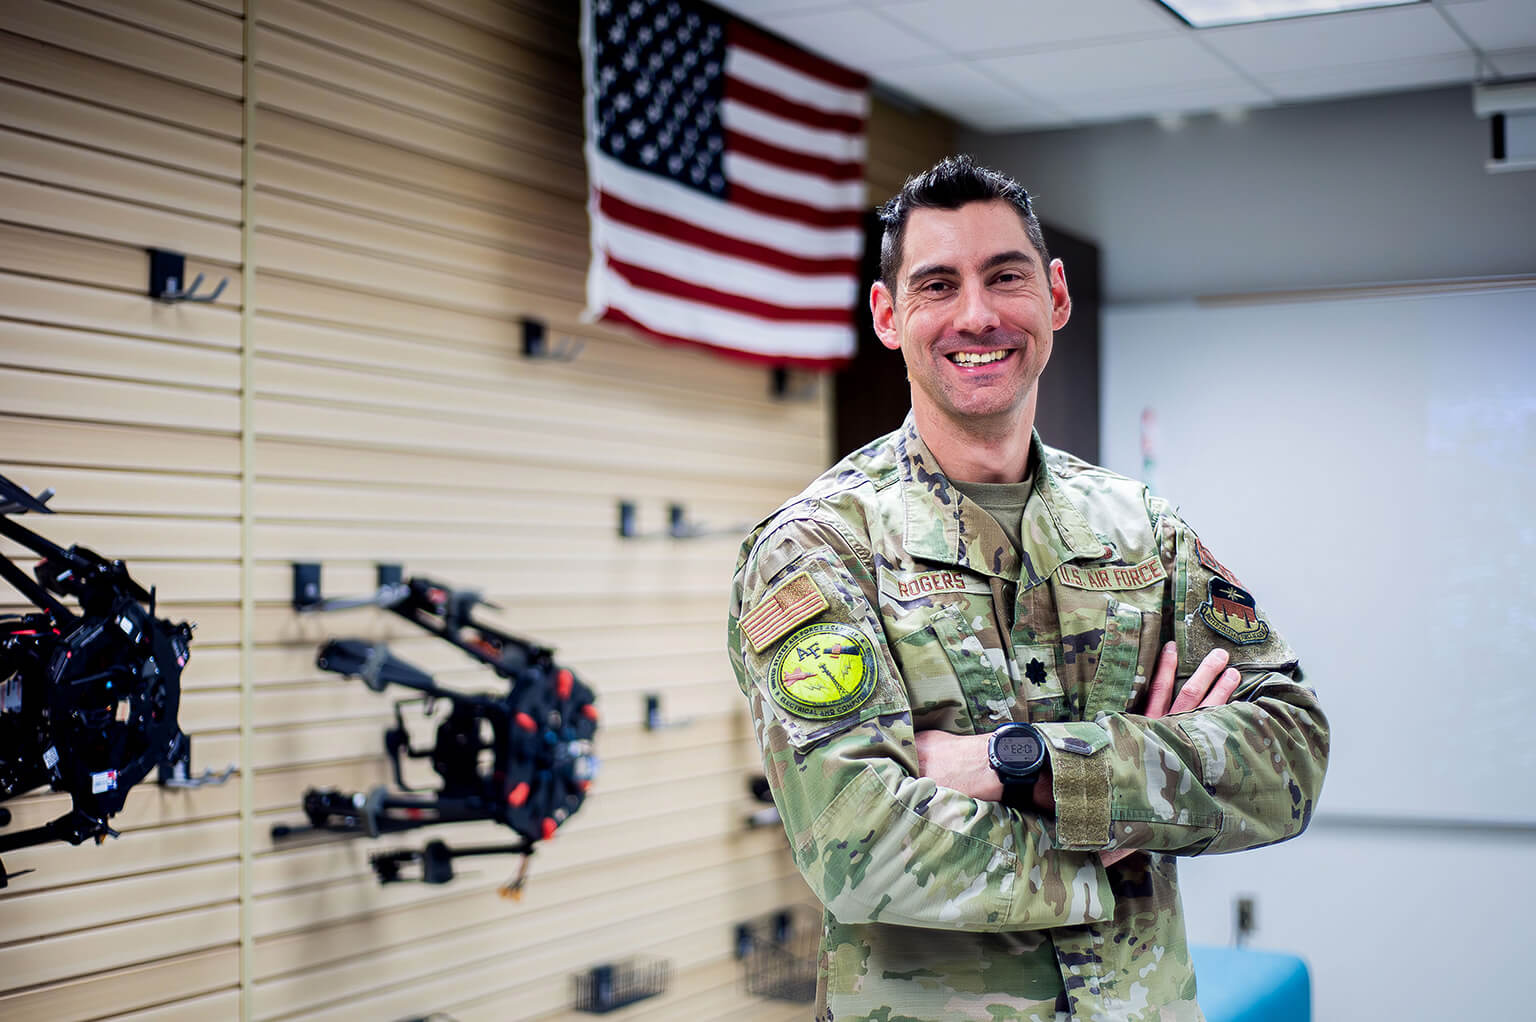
74,827
18,578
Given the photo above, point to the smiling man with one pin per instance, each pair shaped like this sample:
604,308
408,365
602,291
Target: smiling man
999,690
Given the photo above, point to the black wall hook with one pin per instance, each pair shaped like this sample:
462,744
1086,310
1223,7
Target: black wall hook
168,273
536,344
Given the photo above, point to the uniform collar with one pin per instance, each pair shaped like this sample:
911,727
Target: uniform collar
942,525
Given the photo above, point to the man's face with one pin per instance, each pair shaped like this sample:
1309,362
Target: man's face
973,313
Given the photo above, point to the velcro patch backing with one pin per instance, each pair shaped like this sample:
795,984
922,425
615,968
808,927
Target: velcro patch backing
792,601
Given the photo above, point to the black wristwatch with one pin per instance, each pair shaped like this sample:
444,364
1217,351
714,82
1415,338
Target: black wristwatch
1017,753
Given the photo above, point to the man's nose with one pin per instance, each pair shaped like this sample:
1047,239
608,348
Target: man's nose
976,314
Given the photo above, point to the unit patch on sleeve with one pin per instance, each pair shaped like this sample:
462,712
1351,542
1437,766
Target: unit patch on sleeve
1231,612
1209,560
792,601
823,671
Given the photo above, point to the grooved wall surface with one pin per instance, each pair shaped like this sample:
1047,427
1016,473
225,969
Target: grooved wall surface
416,189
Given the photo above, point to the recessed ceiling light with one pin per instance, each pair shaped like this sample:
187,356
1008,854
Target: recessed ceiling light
1211,13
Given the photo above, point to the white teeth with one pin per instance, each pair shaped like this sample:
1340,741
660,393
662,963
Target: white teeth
967,358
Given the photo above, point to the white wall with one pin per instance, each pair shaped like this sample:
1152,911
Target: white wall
1397,908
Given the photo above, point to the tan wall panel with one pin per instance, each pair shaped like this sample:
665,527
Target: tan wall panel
122,43
79,1000
26,346
415,280
60,70
209,711
483,30
69,165
24,392
510,397
548,969
84,491
200,1009
348,308
294,459
29,916
389,502
604,375
61,304
280,418
191,22
115,447
536,224
110,947
426,245
292,131
82,260
497,79
70,120
489,114
548,158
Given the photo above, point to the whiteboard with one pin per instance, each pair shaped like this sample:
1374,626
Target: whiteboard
1367,466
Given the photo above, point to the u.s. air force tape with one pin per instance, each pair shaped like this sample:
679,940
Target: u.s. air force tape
823,671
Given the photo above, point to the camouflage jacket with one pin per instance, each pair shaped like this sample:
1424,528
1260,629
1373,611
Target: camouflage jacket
881,602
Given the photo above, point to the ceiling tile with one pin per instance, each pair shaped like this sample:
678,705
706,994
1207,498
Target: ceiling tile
1332,40
856,37
1514,63
1141,63
1496,24
1386,76
978,26
757,10
1191,99
966,94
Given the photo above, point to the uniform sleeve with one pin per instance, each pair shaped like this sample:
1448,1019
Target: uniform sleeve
1220,779
875,841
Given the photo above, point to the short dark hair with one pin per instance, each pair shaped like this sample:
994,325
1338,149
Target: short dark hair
953,182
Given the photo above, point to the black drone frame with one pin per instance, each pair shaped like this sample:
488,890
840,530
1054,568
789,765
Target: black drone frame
522,759
88,698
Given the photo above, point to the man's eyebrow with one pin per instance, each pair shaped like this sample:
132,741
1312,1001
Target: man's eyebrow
1015,256
930,270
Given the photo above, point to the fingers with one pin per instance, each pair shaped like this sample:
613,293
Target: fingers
1199,684
1160,692
1222,691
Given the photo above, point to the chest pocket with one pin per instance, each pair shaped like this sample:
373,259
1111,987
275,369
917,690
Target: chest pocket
1117,681
953,664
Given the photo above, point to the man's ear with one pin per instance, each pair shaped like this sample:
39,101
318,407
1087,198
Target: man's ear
882,309
1061,301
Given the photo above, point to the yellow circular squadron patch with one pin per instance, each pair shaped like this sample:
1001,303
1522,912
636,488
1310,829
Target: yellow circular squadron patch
823,671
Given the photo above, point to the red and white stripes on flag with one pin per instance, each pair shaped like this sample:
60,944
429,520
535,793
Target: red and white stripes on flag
726,183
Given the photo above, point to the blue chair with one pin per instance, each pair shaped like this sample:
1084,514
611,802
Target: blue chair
1241,985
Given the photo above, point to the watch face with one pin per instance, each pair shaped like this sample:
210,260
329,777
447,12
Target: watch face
1019,750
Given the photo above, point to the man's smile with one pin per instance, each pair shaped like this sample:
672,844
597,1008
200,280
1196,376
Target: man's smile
979,358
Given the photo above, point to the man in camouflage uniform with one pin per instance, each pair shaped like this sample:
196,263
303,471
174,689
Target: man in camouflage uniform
957,575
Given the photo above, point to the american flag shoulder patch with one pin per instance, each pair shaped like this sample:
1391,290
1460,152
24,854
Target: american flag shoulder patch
789,603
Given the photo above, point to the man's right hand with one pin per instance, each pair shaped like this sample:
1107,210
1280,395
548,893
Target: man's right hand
1212,684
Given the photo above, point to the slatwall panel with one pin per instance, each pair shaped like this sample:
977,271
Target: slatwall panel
120,129
417,190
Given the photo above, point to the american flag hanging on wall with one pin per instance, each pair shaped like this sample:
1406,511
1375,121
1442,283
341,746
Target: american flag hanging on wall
726,176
